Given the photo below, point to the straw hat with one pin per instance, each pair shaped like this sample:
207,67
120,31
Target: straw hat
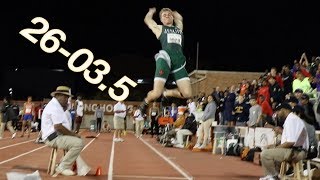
62,90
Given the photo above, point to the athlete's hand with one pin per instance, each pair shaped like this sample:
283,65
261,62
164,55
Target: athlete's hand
153,9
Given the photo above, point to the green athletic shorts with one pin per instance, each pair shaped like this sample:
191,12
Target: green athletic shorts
177,70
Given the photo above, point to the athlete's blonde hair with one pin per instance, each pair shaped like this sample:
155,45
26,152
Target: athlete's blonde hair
164,10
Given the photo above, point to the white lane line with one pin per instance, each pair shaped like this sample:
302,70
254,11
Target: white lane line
146,177
90,142
110,171
6,138
2,162
168,160
16,144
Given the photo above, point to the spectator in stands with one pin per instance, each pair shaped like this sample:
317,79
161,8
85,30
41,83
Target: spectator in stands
317,80
287,77
304,64
292,100
219,103
228,107
241,111
276,92
207,119
189,128
198,113
264,90
215,92
177,125
173,110
294,143
295,67
255,112
244,87
266,110
191,105
314,65
201,97
180,121
309,114
222,104
220,109
253,89
276,76
299,67
298,93
301,82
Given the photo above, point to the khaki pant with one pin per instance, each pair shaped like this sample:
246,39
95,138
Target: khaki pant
272,158
203,132
9,127
73,145
118,123
181,133
139,127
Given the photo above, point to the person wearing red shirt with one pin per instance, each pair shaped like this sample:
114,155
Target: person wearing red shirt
266,109
264,90
274,73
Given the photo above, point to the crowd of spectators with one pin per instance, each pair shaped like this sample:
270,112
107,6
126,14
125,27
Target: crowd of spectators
252,103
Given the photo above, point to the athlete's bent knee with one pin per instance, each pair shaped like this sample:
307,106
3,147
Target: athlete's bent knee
154,94
186,94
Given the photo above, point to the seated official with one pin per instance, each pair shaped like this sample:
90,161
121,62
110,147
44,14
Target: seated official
294,143
56,132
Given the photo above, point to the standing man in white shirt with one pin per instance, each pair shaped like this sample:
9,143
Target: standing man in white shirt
79,108
139,121
120,111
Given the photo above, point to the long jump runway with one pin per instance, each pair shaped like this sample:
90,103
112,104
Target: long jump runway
135,159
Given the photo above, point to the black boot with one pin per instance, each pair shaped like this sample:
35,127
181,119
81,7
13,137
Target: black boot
143,108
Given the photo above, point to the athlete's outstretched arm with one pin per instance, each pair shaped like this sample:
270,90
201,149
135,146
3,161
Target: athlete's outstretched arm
148,19
177,18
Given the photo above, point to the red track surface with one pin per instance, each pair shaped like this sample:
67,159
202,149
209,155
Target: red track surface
134,159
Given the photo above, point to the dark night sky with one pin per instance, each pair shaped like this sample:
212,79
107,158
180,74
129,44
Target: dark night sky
231,36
